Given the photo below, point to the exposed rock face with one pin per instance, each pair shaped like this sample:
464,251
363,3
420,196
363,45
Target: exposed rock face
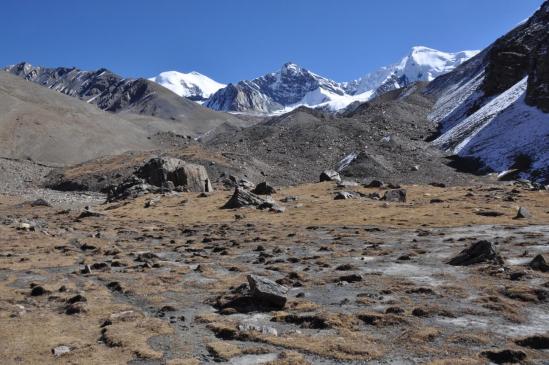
538,79
162,170
478,252
268,291
522,52
242,198
484,109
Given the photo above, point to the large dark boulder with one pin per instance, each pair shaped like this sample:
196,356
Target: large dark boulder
478,252
264,189
395,195
329,175
267,291
538,263
160,171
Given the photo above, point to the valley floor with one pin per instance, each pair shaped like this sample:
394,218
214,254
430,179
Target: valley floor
141,281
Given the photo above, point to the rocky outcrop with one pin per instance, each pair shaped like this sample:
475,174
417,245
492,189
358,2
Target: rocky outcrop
520,53
161,171
537,92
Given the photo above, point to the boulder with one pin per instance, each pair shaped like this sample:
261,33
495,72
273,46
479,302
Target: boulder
242,198
40,203
538,263
395,195
505,356
523,213
132,187
160,171
329,175
271,206
263,189
233,182
267,291
478,252
374,184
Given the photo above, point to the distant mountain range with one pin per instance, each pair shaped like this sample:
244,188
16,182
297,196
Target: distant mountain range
162,108
293,86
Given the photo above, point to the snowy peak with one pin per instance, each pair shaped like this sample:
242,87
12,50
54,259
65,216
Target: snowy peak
293,86
421,64
425,64
192,85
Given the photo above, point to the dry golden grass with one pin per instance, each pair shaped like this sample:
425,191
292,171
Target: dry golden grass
319,208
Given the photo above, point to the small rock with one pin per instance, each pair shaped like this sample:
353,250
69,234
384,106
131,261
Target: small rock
347,184
342,195
88,213
37,291
40,203
289,199
374,184
489,213
60,350
353,278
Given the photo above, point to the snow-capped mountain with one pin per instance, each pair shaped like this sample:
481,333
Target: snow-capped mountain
421,64
293,86
192,85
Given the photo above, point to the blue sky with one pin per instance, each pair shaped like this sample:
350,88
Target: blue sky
230,40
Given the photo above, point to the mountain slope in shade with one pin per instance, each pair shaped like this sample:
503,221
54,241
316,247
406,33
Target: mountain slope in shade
494,109
294,86
192,85
112,93
48,127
